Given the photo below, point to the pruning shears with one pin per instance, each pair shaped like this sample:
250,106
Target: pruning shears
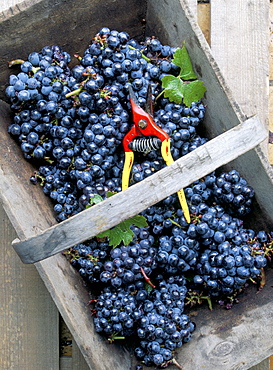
144,136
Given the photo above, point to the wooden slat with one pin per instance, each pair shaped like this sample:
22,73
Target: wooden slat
239,42
271,41
28,317
6,4
78,361
182,173
66,363
270,146
193,6
264,365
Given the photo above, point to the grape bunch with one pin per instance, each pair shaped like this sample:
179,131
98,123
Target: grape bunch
233,191
70,123
163,326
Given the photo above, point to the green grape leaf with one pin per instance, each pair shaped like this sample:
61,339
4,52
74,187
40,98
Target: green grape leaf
94,200
110,193
182,59
122,232
173,88
193,92
185,87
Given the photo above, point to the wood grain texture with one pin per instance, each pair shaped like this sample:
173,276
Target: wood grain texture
205,159
239,42
264,365
29,318
6,4
193,7
240,45
270,146
271,41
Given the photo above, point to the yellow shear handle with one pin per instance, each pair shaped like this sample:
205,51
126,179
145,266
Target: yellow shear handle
167,156
128,162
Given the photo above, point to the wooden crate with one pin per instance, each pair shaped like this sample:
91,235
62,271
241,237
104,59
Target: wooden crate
222,339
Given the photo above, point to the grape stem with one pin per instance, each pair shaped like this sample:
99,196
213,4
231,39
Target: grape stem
16,62
263,280
174,362
146,278
142,55
112,339
74,92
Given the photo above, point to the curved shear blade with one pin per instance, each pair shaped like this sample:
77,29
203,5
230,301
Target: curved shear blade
149,99
132,95
149,107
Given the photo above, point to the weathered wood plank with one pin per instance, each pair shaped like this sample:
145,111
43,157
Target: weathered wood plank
240,45
264,365
271,41
6,4
78,361
109,213
193,6
66,363
270,146
29,318
239,42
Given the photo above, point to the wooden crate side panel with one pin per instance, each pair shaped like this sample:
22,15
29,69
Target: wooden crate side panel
33,24
29,318
270,146
243,58
240,45
78,361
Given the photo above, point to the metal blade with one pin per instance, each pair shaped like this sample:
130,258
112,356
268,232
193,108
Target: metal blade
149,107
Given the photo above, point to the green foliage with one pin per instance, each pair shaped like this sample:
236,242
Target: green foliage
122,232
185,87
94,200
148,287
